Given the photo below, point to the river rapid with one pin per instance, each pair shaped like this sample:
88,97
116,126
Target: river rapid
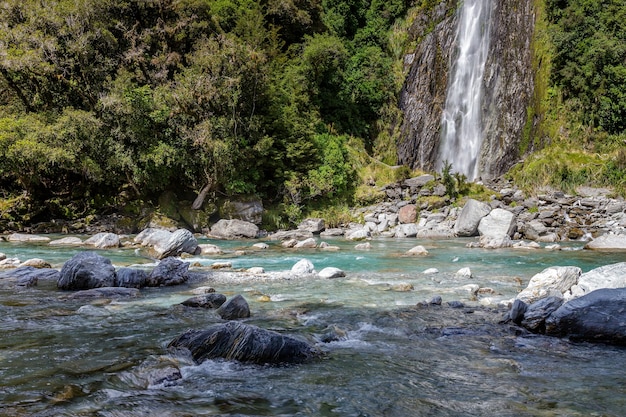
389,356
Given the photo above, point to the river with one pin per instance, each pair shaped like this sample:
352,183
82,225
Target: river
66,357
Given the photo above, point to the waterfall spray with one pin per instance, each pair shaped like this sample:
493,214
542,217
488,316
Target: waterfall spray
461,133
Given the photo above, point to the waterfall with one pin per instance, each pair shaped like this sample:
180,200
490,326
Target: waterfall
461,126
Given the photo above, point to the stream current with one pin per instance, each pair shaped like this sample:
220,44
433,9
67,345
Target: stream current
67,357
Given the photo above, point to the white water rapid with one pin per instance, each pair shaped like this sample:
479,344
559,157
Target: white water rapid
461,136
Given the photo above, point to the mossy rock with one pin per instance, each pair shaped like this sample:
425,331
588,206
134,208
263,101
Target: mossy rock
197,220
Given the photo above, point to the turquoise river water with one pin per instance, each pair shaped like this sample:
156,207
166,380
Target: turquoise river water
66,357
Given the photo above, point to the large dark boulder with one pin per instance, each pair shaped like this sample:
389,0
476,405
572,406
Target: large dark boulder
170,271
28,276
131,278
536,314
243,342
599,316
86,270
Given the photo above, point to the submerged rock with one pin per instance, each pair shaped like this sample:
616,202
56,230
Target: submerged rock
106,292
86,270
245,343
211,300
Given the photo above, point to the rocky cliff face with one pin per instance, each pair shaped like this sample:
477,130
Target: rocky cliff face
508,85
424,92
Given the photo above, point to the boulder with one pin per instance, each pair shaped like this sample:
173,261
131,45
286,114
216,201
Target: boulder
358,234
599,316
535,314
418,250
26,238
313,225
534,229
28,276
303,267
152,236
407,214
406,230
608,243
211,300
86,270
469,218
331,272
334,232
103,241
249,211
131,278
291,235
66,241
234,229
181,241
464,273
556,280
235,308
170,271
208,249
309,243
608,276
493,242
237,341
363,246
497,223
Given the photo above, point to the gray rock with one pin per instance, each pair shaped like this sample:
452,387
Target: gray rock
313,225
66,241
497,223
608,243
333,232
235,308
103,241
131,278
608,276
249,211
152,236
471,214
86,270
170,271
556,280
309,243
536,313
234,229
26,238
599,316
406,230
534,229
283,235
331,272
106,292
28,276
181,241
303,267
245,343
358,234
211,300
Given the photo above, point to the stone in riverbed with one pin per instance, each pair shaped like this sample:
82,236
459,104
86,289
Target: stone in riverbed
556,280
66,241
608,276
497,223
599,316
170,271
331,272
106,292
608,243
26,238
536,313
418,250
181,241
86,270
234,229
103,241
211,300
28,276
303,267
313,225
245,343
131,278
235,308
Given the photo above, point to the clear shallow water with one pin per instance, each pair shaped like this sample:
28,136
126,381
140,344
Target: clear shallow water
63,357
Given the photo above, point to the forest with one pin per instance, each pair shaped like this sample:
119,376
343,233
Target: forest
106,103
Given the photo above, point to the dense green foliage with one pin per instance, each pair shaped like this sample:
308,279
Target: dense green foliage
580,49
108,99
589,64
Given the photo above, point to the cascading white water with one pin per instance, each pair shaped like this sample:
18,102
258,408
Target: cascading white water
461,135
